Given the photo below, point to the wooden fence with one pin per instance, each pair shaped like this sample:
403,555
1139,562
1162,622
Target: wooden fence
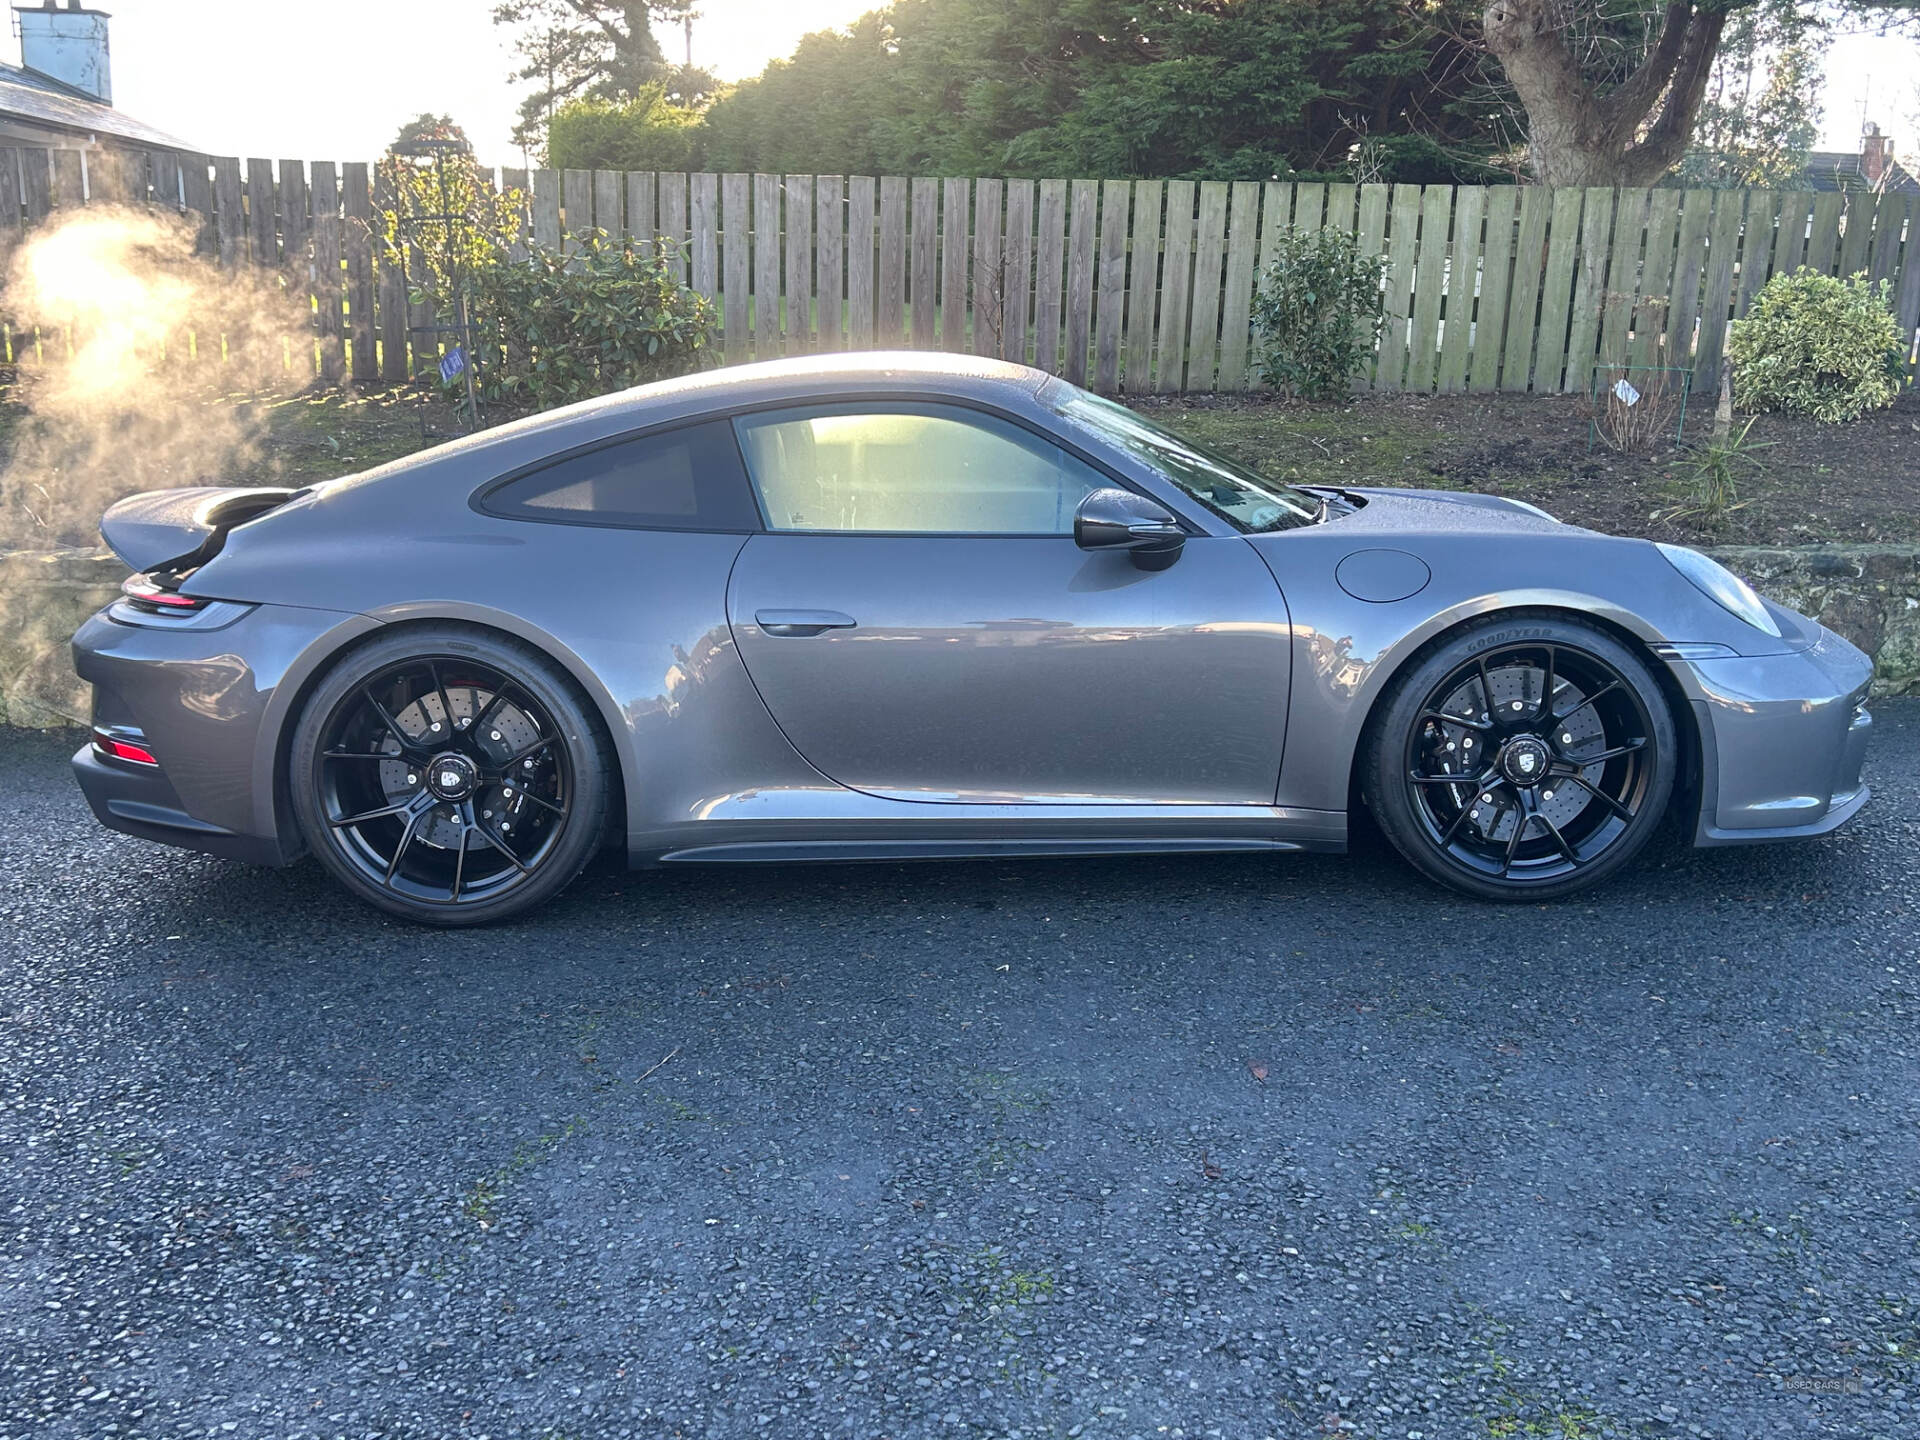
1124,285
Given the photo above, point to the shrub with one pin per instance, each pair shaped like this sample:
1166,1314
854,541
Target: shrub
601,315
1318,313
1817,346
648,132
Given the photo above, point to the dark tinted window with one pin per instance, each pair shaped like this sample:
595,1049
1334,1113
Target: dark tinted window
686,479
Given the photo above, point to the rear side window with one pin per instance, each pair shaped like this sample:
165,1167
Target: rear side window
686,479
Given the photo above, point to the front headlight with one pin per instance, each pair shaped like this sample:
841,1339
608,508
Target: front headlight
1721,585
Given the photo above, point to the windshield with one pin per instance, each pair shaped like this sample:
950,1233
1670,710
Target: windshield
1231,491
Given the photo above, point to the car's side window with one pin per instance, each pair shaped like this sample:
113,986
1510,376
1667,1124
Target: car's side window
910,469
685,479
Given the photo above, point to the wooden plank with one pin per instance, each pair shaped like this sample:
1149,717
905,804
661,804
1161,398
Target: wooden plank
670,221
1341,199
1756,247
1896,218
1429,287
1623,274
1016,300
1589,289
1790,233
196,198
36,184
1696,219
1371,231
546,208
1496,279
359,242
890,303
1309,207
11,216
1823,239
1236,306
263,240
643,210
1653,295
1523,300
609,201
69,179
1084,206
1176,288
766,266
1203,331
1556,292
829,261
989,274
1276,217
1110,284
1716,291
737,261
1463,283
956,243
704,235
1144,287
797,319
229,211
1403,236
392,300
514,190
925,253
327,285
1906,299
164,167
1049,268
860,308
576,204
295,225
1857,239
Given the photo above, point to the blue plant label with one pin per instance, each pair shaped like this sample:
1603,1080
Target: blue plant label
451,364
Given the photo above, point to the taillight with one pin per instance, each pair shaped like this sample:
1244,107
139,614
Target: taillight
115,748
148,594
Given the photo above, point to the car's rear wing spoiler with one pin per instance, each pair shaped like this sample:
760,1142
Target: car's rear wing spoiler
180,529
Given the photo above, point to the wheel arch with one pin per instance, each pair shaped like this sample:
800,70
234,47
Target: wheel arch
1630,630
320,659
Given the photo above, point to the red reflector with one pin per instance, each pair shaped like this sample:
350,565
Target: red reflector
142,591
118,749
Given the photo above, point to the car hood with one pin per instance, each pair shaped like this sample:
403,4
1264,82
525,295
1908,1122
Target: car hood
1446,511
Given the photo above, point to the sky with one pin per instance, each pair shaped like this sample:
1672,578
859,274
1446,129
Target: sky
335,79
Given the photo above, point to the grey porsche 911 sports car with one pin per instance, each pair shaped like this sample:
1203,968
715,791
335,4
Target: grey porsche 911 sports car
892,606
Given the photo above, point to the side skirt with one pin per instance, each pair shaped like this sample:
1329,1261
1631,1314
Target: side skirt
796,851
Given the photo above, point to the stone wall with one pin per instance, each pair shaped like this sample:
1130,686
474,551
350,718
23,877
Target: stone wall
1869,593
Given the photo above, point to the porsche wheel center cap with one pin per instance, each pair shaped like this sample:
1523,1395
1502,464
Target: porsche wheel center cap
1524,760
451,777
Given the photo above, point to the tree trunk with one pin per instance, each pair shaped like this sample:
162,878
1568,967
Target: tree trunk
1576,137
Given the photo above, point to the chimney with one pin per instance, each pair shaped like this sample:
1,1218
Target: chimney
67,45
1873,155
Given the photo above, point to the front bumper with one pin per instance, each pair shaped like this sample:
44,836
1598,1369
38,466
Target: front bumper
211,702
1783,738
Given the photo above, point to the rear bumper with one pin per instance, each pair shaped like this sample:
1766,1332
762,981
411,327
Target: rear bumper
1783,739
211,702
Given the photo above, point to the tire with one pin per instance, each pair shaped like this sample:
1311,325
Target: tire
419,756
1541,809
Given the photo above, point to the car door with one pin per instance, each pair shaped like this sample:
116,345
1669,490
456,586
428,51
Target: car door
922,626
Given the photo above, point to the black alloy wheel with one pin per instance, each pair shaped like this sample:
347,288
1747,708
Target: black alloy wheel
452,778
1523,759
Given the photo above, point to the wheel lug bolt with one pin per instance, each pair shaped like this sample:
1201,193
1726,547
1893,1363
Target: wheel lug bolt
413,779
526,764
1566,739
496,735
505,826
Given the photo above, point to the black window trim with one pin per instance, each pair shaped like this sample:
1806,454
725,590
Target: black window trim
476,501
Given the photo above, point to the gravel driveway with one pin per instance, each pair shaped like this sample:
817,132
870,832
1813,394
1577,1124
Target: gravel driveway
1238,1146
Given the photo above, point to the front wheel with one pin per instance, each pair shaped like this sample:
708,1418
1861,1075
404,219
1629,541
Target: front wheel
1522,759
450,776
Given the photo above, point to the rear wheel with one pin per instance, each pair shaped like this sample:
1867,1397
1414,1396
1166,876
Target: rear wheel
450,776
1522,759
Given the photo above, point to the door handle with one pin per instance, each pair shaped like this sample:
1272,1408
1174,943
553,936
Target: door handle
801,623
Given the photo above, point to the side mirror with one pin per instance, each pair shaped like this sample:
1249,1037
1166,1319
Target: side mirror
1122,520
